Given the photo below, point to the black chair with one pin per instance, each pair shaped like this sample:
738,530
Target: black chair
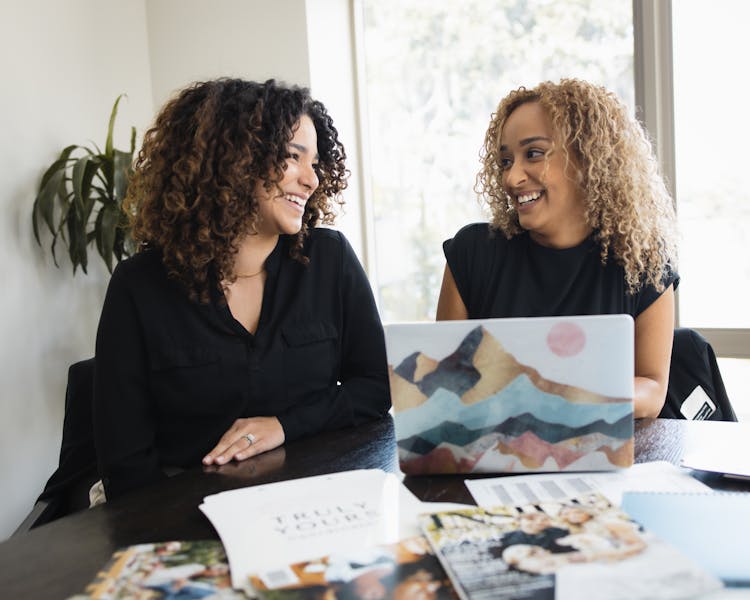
67,489
695,390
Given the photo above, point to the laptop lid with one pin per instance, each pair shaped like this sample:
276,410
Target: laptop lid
536,394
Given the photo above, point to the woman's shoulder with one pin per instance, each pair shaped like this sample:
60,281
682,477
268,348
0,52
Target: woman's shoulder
326,240
474,231
146,264
324,235
477,237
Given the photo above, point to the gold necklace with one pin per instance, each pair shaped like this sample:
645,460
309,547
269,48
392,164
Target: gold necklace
248,276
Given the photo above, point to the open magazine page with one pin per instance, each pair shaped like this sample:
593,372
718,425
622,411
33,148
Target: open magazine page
176,569
266,527
556,550
408,569
656,476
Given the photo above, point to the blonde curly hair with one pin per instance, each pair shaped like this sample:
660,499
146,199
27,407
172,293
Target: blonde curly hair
625,199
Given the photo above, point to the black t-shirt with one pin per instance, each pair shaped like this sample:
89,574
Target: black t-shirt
172,375
497,277
547,539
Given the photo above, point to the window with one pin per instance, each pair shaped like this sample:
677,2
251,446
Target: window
712,153
713,200
435,70
434,73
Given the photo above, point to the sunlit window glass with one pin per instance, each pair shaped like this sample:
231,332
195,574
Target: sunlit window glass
711,46
434,72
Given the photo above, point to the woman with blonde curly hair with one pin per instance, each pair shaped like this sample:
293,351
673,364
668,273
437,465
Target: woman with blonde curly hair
582,223
238,325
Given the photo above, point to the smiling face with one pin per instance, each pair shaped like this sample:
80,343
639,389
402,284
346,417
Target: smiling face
574,515
540,180
281,208
534,523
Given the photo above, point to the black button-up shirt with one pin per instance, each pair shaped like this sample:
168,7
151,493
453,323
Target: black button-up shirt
172,375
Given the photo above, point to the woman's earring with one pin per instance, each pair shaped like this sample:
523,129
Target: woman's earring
508,199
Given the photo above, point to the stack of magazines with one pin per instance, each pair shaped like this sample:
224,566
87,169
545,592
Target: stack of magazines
350,534
362,534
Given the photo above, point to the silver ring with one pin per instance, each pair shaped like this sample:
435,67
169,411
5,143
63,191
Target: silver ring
250,438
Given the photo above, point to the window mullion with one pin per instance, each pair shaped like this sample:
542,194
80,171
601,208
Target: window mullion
654,85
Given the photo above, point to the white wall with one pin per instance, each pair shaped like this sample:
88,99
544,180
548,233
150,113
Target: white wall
193,40
63,65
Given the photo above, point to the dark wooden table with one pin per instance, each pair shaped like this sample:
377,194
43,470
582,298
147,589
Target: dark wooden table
59,559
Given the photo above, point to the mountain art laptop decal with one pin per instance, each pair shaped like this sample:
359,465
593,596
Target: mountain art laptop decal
479,409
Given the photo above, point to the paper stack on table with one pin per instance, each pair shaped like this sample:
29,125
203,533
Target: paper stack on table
265,528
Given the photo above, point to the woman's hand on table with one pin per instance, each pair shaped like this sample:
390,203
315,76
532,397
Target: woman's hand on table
246,438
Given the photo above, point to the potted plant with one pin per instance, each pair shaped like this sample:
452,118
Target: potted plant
80,200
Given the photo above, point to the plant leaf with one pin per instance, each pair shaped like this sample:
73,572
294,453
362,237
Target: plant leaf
107,168
82,175
108,146
44,204
79,185
107,221
44,201
124,243
77,241
65,200
60,233
86,188
100,190
122,163
97,232
52,249
60,162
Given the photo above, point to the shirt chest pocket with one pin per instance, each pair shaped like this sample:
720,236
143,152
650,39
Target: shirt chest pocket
310,358
184,378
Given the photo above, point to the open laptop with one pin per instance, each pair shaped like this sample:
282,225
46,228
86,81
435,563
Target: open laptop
523,395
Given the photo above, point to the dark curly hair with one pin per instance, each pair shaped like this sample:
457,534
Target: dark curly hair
191,195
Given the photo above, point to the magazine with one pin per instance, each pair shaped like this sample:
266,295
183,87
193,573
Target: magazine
407,569
176,569
656,476
557,550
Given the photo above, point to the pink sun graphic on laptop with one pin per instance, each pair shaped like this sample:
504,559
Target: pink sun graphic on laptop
566,339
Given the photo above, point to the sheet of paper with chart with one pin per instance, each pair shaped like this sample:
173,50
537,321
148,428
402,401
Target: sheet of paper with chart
659,476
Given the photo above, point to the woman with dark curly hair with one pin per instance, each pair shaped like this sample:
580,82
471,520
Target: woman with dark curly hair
239,324
582,223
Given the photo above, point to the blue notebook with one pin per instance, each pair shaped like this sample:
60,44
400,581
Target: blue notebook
712,528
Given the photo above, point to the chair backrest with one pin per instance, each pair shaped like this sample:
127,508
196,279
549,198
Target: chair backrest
67,489
695,390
